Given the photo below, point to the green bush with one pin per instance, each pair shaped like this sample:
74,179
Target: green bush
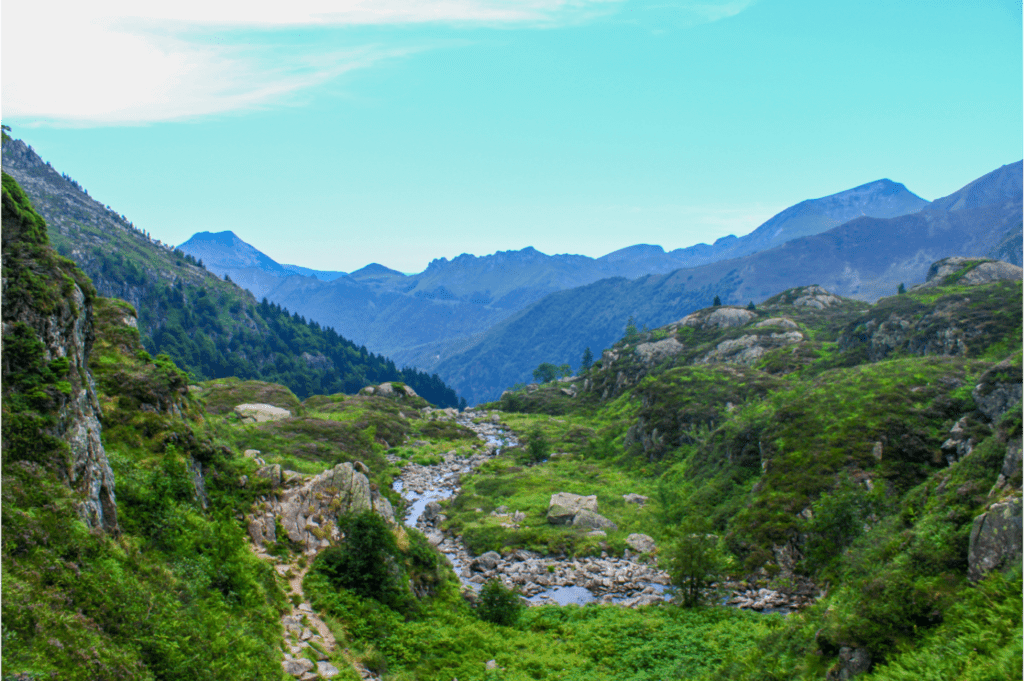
537,446
499,604
366,561
695,561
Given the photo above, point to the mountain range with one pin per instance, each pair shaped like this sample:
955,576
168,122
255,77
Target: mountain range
425,318
484,322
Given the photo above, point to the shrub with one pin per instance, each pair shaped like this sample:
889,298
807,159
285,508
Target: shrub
499,604
537,446
694,562
366,561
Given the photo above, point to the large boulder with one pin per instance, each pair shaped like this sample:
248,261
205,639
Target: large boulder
564,506
652,353
995,539
589,520
260,412
718,318
641,542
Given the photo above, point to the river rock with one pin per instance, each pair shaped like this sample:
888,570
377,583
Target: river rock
995,539
326,670
641,542
485,562
298,666
431,511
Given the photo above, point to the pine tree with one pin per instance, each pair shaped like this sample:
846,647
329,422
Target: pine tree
901,290
717,302
588,359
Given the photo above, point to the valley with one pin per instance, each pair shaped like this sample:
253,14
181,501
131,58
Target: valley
806,486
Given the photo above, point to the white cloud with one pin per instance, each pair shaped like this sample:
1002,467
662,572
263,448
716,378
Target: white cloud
119,62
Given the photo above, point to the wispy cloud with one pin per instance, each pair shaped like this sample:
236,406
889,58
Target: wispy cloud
120,62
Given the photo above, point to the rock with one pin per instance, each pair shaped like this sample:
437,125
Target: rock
984,273
748,349
251,453
491,664
271,473
999,390
652,353
995,539
298,666
431,511
588,519
560,515
597,533
638,499
641,542
719,318
563,507
852,662
781,322
309,510
485,562
501,509
1011,470
518,517
262,412
305,607
326,670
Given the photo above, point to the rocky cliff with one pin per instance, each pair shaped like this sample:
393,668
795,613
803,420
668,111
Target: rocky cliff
51,414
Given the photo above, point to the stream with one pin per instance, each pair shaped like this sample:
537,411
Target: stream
541,579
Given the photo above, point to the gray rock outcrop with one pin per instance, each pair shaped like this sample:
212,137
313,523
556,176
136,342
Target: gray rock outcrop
995,539
652,353
984,273
717,318
999,390
259,412
308,511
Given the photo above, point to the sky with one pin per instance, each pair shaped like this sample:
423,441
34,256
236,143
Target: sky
332,134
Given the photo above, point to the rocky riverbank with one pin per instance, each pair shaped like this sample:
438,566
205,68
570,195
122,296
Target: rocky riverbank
629,581
542,579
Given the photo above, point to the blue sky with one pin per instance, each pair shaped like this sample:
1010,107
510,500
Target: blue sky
331,134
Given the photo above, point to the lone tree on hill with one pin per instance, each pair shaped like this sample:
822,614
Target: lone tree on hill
717,301
588,359
631,330
901,290
751,307
545,373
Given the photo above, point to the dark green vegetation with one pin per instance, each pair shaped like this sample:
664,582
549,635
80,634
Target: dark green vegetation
173,593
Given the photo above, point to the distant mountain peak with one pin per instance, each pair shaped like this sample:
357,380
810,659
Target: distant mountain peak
375,270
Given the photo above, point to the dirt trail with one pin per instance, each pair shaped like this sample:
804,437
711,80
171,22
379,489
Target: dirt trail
306,634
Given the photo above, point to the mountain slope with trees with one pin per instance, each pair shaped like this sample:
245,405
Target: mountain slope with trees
208,325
